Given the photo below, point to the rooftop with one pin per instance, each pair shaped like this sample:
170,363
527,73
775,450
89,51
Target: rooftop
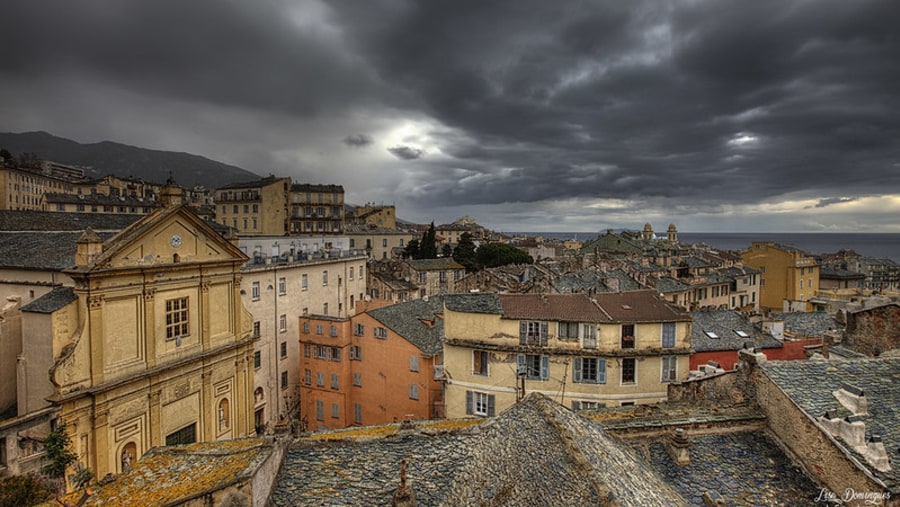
731,330
51,301
811,324
434,264
410,320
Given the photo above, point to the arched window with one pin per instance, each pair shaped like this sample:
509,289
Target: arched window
224,414
127,457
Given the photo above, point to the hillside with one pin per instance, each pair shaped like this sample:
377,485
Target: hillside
108,157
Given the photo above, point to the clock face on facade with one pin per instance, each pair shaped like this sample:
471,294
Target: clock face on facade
175,241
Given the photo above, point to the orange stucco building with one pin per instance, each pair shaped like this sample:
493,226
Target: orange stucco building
376,367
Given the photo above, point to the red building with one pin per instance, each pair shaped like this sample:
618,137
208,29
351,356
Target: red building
376,367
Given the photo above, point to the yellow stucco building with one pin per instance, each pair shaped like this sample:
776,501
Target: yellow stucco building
605,350
788,276
144,335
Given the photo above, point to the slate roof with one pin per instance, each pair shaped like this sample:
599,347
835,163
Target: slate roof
813,324
172,475
396,284
811,384
639,306
834,273
262,182
53,251
51,301
626,282
49,221
667,284
583,280
534,453
695,262
725,323
434,264
406,319
473,303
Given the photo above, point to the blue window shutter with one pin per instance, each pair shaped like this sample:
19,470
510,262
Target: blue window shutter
523,330
544,333
601,370
520,364
576,371
491,405
545,367
469,402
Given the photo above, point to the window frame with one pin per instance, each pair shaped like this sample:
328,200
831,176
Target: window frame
177,318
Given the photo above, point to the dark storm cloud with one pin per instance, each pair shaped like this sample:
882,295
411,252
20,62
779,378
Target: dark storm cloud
406,152
358,140
696,104
834,200
659,92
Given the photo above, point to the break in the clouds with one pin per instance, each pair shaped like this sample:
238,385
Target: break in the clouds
712,114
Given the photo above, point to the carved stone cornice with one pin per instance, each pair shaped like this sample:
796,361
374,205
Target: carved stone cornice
95,302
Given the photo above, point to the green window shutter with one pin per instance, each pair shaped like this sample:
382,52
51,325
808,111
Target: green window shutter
576,371
545,367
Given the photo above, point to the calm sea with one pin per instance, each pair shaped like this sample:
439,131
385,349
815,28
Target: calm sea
868,244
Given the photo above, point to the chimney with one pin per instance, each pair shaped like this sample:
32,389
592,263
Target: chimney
678,447
876,454
170,195
852,398
404,496
89,247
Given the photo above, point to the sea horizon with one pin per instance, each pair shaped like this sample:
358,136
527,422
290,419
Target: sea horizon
868,244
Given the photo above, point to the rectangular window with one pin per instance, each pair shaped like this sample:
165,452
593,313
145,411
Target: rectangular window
359,330
282,323
480,360
413,392
335,354
568,331
324,308
668,334
319,329
478,403
254,291
324,277
320,410
307,376
282,285
669,368
589,370
355,353
413,363
357,413
351,271
629,373
334,381
423,277
306,348
628,336
533,366
335,411
177,318
380,332
533,333
333,330
257,359
186,435
256,328
304,282
590,336
283,349
306,327
320,379
284,380
357,379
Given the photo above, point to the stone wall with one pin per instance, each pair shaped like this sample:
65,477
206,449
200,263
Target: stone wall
874,329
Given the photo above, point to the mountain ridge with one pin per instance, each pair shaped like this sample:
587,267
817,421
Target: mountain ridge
124,160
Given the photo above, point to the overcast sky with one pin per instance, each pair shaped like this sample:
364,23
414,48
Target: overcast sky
528,115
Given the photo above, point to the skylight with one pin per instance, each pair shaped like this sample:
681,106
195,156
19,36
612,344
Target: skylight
711,334
741,333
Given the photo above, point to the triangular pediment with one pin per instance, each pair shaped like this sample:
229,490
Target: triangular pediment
170,236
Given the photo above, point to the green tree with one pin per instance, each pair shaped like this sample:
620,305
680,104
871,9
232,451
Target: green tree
5,156
412,250
446,250
465,252
492,255
24,490
58,449
428,245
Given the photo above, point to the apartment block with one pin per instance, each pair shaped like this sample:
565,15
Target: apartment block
316,209
607,350
255,207
788,276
